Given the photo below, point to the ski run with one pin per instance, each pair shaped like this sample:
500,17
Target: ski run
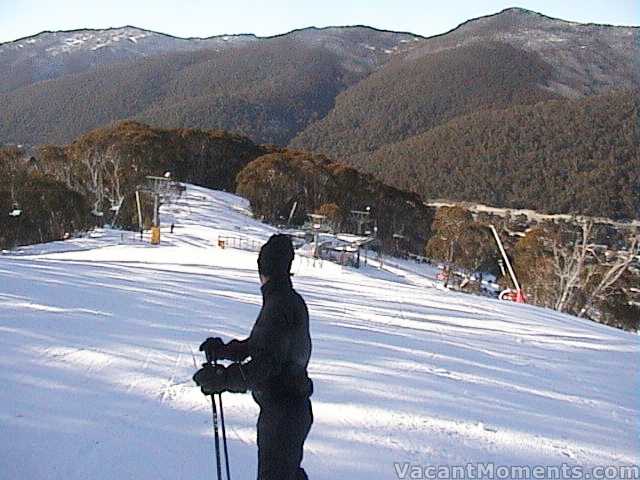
99,339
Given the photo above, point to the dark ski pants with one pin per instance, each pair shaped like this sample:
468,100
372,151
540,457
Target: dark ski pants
283,426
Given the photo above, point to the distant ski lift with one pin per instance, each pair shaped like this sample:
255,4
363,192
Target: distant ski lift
16,211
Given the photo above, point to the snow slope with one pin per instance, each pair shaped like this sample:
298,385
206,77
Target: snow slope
99,337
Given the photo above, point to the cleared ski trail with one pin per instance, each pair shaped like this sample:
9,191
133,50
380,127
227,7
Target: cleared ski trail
98,342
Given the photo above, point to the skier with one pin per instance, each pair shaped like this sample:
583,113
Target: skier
279,348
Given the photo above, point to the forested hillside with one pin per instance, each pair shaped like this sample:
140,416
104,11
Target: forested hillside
411,96
497,110
514,57
557,156
268,90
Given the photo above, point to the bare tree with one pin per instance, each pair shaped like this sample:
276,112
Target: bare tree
569,262
611,275
113,171
582,276
94,162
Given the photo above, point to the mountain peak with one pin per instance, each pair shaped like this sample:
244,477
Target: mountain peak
523,14
520,10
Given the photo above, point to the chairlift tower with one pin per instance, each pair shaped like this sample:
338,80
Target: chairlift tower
361,217
164,191
317,222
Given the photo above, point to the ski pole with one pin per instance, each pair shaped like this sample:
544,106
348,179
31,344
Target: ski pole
224,431
215,427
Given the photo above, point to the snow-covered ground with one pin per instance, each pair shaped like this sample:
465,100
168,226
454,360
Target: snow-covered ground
99,337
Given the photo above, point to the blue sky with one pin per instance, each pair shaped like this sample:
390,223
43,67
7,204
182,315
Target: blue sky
205,18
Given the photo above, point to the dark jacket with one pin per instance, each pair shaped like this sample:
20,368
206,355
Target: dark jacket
279,346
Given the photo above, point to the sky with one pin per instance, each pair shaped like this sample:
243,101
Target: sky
204,18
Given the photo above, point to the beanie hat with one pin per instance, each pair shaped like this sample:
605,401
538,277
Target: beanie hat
276,256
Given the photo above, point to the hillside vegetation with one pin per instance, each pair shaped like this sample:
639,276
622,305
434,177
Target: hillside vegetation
100,171
36,207
274,182
514,109
65,189
557,156
411,96
268,90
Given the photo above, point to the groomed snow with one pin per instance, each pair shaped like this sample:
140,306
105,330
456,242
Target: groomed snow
99,337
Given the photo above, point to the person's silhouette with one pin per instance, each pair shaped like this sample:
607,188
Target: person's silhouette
279,348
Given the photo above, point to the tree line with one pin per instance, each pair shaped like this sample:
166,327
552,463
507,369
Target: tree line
92,181
104,167
275,182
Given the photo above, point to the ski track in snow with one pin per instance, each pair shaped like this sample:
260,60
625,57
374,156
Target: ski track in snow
99,337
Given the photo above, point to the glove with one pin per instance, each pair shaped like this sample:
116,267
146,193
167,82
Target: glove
211,379
217,379
235,379
212,347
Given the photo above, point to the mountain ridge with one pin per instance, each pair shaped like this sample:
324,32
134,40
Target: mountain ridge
314,27
220,35
339,91
579,60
